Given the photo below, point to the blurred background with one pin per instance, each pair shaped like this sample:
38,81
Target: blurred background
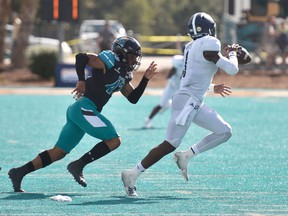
39,33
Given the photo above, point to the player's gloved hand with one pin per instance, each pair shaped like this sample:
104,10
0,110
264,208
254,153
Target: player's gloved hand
242,54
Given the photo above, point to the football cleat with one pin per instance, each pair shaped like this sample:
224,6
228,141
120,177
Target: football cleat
76,169
131,192
129,180
182,159
16,178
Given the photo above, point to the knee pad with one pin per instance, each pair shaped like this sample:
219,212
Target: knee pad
45,158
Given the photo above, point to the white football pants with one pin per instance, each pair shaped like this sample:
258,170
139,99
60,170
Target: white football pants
205,117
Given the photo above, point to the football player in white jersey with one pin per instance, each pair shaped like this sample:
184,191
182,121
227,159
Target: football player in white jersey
202,58
172,85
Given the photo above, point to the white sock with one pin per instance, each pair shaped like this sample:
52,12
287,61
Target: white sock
194,151
139,168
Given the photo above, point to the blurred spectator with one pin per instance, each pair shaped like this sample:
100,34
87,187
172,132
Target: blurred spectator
106,37
269,41
282,40
16,29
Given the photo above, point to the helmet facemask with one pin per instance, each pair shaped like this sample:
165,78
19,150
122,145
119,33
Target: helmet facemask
132,59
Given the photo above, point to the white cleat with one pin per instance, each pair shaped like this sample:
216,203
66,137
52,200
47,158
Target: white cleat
129,180
182,159
131,192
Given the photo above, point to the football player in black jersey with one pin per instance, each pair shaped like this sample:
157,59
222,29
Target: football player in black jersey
112,71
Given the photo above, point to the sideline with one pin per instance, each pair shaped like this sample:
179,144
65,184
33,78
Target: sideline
237,92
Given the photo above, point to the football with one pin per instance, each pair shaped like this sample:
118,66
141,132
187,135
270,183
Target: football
243,56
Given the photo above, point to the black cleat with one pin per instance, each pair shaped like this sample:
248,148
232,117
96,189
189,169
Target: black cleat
16,178
76,169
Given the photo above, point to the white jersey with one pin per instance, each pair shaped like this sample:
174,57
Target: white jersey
198,72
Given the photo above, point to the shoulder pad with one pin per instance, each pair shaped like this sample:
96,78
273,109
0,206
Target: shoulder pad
211,44
108,57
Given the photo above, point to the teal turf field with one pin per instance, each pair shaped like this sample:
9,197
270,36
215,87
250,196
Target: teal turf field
247,176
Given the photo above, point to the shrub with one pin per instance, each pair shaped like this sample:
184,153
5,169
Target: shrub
42,61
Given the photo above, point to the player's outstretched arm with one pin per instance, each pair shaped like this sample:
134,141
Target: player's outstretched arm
133,95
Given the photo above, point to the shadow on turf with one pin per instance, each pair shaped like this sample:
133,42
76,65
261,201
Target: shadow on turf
30,196
142,128
116,200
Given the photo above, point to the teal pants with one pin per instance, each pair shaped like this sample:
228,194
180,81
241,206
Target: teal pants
82,117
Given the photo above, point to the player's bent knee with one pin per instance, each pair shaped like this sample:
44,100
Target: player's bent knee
175,143
227,136
113,143
57,153
226,128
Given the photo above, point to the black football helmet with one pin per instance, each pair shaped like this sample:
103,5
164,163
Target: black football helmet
201,24
125,45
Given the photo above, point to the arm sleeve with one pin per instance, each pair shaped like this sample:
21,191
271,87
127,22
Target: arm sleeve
135,95
230,66
81,62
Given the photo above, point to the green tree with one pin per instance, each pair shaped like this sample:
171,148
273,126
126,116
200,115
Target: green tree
4,14
150,17
136,19
145,17
27,14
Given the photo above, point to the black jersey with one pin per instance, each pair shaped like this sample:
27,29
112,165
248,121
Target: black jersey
100,86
